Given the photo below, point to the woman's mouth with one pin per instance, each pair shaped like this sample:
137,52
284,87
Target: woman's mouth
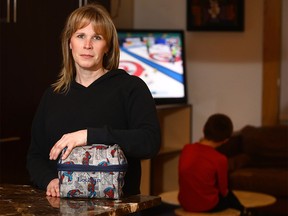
86,56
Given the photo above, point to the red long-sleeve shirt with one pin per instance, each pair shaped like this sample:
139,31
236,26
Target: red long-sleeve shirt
202,177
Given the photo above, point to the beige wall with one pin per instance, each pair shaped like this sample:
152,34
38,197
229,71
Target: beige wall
224,68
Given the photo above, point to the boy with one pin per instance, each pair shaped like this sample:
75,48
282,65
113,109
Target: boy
203,171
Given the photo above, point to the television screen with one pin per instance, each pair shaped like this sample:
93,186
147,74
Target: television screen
156,56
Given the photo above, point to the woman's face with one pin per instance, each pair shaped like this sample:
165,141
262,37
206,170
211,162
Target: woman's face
88,48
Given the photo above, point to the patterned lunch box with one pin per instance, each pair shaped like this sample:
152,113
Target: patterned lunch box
95,171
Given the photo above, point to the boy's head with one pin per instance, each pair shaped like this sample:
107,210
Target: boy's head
218,128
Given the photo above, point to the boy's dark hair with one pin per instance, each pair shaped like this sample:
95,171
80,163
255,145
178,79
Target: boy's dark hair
218,127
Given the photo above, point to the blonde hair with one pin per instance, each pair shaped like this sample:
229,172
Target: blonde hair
98,16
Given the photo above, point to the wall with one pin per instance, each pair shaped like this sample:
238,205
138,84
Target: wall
224,69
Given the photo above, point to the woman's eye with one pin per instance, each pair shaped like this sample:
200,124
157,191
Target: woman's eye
97,37
80,36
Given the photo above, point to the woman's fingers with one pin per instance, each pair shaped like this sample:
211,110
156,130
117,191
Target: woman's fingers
69,141
66,153
53,188
58,147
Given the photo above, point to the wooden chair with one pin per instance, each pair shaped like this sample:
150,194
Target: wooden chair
226,212
171,198
249,200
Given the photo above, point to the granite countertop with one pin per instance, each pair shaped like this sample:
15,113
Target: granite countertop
26,200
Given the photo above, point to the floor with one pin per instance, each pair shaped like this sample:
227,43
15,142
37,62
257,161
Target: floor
168,210
162,210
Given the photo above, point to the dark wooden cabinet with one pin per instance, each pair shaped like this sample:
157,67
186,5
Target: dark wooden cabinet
30,60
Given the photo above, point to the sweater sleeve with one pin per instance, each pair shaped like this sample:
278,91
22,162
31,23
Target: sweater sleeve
40,168
142,137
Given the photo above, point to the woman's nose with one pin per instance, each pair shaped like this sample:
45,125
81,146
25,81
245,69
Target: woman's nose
88,44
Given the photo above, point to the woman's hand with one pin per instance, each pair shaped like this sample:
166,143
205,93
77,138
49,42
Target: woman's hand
70,140
53,188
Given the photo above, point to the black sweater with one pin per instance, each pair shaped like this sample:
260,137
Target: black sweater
116,108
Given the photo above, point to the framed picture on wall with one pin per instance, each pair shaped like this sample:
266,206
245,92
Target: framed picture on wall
215,15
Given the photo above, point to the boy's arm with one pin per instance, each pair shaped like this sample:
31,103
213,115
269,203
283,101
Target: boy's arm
223,176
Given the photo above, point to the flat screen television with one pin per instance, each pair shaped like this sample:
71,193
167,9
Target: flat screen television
157,57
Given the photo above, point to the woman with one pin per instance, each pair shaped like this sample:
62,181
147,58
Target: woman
92,102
